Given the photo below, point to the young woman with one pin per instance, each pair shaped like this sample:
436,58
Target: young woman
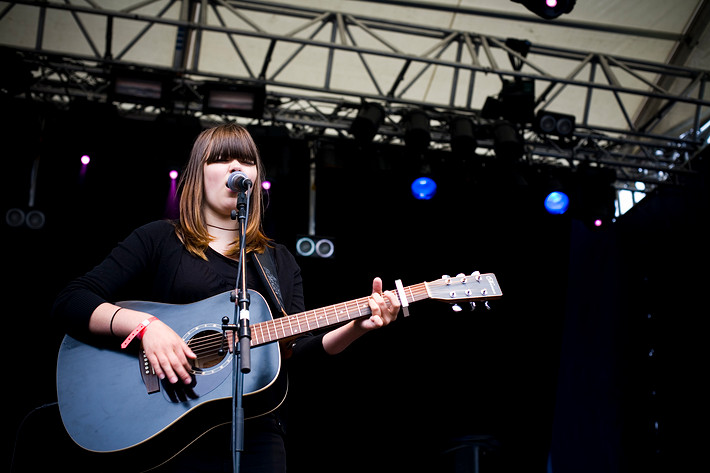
194,258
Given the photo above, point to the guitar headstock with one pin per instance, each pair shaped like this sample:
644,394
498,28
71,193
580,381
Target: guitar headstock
465,288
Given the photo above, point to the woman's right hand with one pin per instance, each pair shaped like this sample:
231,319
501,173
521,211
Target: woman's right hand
168,353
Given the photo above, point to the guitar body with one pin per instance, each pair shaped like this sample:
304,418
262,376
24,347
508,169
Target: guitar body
110,401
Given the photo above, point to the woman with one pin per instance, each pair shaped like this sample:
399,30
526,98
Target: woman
192,259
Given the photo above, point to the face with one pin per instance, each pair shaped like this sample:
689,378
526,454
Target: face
219,199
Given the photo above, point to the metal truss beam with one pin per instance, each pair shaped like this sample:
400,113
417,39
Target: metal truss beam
390,62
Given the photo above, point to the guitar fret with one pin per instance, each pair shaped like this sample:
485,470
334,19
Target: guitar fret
344,312
255,334
290,327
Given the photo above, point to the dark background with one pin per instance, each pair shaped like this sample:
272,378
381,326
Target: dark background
596,339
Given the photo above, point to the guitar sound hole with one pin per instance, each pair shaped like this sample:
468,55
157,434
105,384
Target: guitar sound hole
206,346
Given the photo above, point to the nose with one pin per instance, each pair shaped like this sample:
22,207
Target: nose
235,166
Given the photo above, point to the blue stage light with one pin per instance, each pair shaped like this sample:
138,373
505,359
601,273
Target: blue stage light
423,188
556,203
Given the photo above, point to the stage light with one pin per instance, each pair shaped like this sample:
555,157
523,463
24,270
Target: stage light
139,86
172,204
548,9
556,203
416,130
34,219
15,217
463,138
507,142
423,188
368,120
246,100
552,123
85,160
515,102
315,246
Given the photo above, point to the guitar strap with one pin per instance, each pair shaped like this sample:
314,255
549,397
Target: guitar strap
267,270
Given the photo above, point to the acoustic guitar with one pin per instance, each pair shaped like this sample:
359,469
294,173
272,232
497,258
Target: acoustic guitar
111,400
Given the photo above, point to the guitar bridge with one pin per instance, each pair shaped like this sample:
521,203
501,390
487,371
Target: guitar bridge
150,379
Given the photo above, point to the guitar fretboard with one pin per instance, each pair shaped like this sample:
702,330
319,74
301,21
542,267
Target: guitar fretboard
289,326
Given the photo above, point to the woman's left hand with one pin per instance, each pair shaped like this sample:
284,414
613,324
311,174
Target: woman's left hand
384,306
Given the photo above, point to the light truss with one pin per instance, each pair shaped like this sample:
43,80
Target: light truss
393,63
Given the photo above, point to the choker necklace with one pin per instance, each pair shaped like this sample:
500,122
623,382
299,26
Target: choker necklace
222,228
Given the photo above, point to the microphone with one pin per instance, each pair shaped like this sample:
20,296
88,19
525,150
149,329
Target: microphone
238,182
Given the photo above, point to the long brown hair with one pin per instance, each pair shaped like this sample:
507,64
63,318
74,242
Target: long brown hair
228,141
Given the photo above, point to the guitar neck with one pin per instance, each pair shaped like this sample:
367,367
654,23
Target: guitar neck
292,325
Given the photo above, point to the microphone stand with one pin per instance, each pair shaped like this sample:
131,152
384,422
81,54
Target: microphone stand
241,345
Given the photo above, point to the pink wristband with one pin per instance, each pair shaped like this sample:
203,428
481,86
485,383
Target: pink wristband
138,331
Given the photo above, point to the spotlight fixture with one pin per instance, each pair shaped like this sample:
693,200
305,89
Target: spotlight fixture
368,120
423,188
548,9
463,138
139,86
556,203
515,102
246,100
416,130
507,142
315,246
552,123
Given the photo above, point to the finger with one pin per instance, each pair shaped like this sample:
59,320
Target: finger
377,308
377,286
181,367
155,363
163,365
189,353
393,301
